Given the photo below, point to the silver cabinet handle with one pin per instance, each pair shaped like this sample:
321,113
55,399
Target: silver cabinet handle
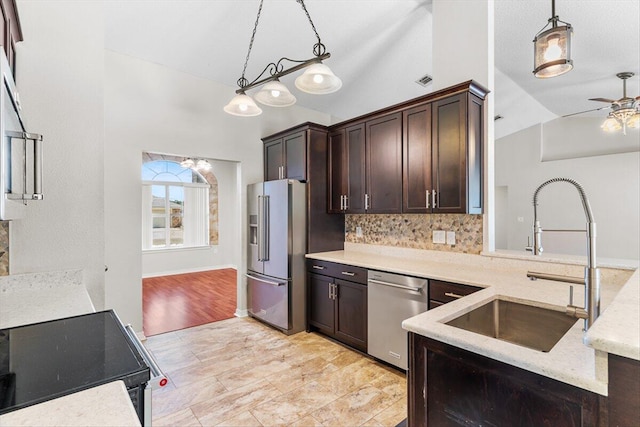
330,290
452,295
335,291
268,282
346,202
394,285
343,203
348,273
318,267
428,199
434,199
366,202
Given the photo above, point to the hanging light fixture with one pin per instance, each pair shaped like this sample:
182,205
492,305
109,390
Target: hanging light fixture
552,48
625,112
317,78
199,164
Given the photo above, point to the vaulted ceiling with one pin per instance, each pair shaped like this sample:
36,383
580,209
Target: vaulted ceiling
378,47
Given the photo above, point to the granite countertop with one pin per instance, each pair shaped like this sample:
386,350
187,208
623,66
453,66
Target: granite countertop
570,361
39,297
105,405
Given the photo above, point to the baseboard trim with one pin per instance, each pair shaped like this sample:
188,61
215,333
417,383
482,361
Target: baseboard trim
241,313
188,270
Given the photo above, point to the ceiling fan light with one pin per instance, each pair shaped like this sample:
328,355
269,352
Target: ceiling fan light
634,121
275,94
203,164
318,79
552,52
611,124
242,105
187,163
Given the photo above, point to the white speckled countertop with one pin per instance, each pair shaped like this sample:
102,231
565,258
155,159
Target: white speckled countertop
38,297
570,360
105,405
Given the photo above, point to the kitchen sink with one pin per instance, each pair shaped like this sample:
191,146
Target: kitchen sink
526,325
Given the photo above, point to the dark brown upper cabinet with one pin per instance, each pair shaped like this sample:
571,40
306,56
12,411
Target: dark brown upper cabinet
302,153
421,156
11,32
442,167
285,157
366,166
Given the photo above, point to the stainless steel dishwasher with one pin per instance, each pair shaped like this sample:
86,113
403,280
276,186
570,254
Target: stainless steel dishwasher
391,299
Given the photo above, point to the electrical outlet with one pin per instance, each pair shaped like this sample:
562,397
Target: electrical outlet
358,231
439,237
451,237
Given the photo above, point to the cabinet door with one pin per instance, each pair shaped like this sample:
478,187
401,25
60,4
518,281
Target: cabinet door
449,160
320,305
337,171
273,159
355,144
384,164
295,148
416,152
351,314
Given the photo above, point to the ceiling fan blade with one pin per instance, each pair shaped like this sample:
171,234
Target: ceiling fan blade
586,111
609,101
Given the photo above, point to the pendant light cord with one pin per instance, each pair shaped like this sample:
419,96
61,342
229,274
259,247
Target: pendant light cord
318,48
242,81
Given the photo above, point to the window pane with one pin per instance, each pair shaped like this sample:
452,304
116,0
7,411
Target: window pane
166,176
177,236
159,195
159,238
159,222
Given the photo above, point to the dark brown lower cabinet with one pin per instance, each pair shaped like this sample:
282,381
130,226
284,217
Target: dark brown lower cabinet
449,386
338,308
624,391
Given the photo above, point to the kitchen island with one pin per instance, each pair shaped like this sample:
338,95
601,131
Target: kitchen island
576,360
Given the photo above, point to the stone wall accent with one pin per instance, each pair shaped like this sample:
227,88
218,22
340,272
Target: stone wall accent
416,231
213,191
4,248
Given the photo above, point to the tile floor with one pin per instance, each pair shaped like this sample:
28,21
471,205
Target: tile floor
239,372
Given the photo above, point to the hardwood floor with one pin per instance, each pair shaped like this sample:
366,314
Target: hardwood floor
170,303
239,372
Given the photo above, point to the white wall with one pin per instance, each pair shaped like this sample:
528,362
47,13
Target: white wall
221,255
155,109
611,182
59,74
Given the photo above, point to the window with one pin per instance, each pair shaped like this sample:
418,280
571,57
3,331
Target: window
175,206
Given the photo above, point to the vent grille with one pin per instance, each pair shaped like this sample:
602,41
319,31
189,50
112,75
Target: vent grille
424,80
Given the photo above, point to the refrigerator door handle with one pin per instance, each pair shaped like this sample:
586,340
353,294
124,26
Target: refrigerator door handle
268,282
260,226
265,228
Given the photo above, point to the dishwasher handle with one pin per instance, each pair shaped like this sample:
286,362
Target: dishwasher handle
395,285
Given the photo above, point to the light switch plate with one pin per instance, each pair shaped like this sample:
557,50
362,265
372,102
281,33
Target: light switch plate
451,237
358,231
439,236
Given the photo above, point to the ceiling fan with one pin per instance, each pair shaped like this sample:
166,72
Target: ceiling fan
624,111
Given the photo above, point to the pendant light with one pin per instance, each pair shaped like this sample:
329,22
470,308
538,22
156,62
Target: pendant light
552,48
317,78
275,94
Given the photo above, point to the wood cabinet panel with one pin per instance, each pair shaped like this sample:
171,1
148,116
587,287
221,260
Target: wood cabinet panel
351,314
295,155
320,306
384,164
455,387
11,31
273,160
356,168
624,391
337,171
416,140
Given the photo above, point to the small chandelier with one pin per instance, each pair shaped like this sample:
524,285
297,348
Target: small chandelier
317,78
552,48
625,112
199,164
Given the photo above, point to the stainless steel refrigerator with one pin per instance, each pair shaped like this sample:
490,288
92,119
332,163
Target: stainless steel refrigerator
275,253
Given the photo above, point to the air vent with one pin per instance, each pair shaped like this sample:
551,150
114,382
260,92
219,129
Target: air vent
424,80
497,117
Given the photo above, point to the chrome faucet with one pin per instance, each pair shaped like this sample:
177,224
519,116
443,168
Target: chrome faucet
591,280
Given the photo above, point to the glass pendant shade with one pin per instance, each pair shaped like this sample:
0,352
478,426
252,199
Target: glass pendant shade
318,79
187,163
552,52
611,124
634,121
275,94
203,165
242,105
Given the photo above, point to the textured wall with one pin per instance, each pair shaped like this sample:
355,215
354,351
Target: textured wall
416,231
4,248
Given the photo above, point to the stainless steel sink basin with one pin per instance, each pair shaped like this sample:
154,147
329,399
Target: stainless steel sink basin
533,327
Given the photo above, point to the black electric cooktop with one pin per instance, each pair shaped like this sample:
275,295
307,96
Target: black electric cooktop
43,361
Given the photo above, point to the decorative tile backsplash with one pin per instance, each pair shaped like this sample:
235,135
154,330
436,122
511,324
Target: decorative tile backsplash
4,248
416,231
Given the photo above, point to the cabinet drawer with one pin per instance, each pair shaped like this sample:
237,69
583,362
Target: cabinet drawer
445,292
340,271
